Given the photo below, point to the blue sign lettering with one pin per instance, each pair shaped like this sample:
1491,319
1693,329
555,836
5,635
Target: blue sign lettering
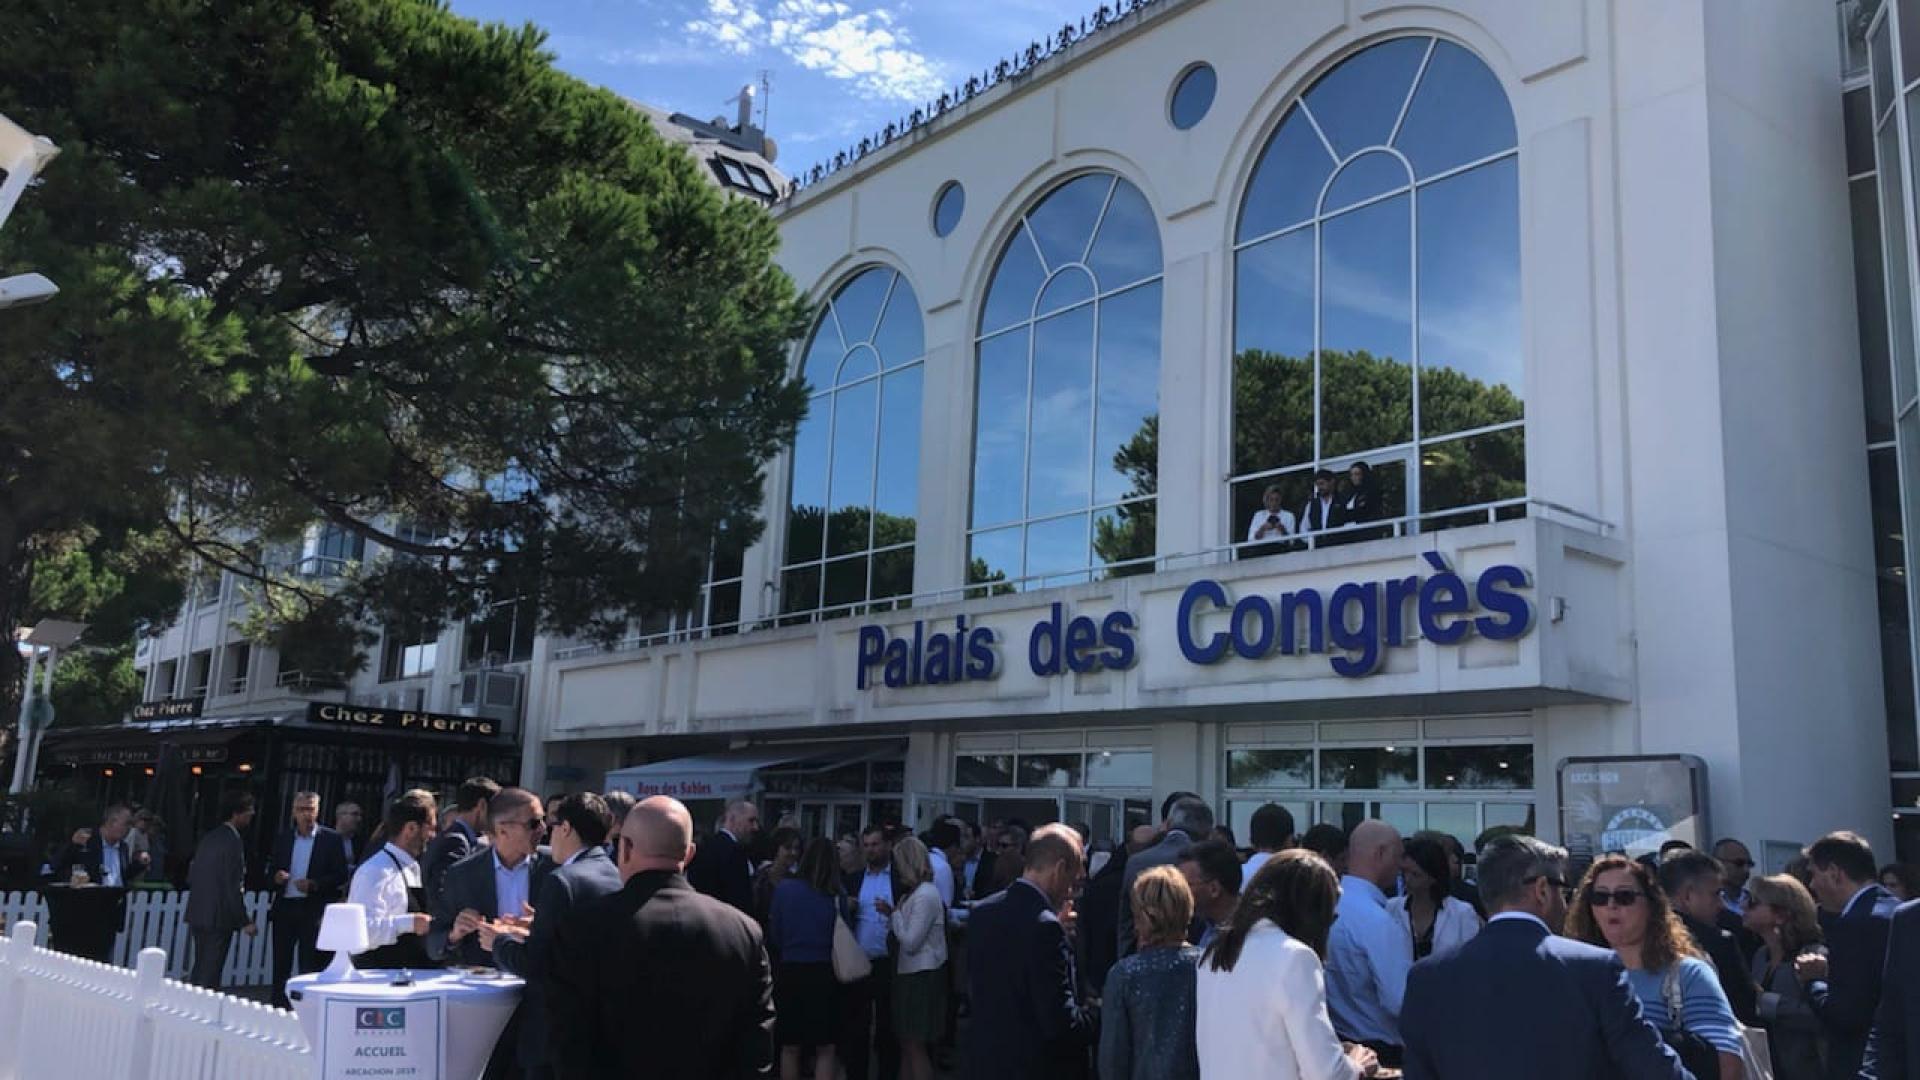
1357,622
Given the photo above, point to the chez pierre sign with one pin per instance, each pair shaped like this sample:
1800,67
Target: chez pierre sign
1353,624
402,721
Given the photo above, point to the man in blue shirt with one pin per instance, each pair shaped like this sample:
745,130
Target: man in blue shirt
1368,955
869,1002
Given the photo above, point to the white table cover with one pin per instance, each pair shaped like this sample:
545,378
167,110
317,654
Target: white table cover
477,1007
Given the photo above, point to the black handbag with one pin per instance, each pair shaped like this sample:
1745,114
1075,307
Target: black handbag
1701,1057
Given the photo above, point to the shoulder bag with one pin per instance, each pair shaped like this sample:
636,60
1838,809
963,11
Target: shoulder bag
850,963
1701,1057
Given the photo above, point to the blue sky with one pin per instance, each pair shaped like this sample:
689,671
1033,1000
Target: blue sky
839,68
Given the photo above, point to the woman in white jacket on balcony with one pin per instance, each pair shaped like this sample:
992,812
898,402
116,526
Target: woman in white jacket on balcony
1435,921
1260,993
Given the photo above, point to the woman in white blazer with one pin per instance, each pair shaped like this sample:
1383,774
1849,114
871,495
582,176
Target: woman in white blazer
1261,996
1435,921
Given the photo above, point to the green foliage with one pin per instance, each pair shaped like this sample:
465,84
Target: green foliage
95,686
355,261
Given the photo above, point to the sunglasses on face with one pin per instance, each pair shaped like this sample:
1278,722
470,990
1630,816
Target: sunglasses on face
1741,863
1625,898
1566,890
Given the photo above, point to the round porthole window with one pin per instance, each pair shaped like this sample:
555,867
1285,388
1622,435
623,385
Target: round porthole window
1192,96
948,206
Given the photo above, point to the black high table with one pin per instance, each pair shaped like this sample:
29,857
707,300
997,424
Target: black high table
83,919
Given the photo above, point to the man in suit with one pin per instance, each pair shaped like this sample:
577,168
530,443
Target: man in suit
1893,1049
1323,510
495,882
461,833
1843,987
582,873
658,980
1029,1022
108,858
1518,1000
1736,862
721,868
976,861
1186,819
346,825
104,854
1692,881
308,871
216,897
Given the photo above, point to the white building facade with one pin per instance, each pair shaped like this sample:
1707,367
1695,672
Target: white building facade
1574,280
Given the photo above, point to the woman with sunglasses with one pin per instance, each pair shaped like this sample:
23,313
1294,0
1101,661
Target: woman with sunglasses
1781,911
1622,908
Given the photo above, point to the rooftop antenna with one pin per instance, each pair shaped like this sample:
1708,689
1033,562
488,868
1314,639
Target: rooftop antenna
766,96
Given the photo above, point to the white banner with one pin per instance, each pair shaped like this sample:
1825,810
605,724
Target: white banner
373,1039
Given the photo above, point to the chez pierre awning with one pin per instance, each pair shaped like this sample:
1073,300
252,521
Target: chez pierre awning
733,774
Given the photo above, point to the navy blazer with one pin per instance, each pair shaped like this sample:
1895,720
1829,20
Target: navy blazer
561,891
469,884
1518,1001
1893,1049
1022,983
1846,1000
456,841
719,869
326,867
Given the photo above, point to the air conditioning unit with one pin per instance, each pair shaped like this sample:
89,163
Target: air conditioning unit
493,694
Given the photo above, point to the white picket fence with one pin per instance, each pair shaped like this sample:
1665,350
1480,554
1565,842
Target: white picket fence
158,920
64,1017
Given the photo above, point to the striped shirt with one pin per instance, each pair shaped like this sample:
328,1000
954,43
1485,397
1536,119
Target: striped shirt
1702,1003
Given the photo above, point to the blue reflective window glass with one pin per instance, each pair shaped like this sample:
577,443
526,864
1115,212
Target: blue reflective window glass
1015,281
1459,114
858,304
1366,328
1127,247
855,460
1000,431
1358,102
1285,189
1058,547
947,208
1063,222
1068,287
850,484
1057,473
1192,96
994,556
1124,444
1363,178
900,339
896,485
1470,352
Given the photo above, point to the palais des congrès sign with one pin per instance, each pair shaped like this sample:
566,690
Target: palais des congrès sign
1354,623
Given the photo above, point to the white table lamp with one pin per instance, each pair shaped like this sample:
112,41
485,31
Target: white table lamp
343,932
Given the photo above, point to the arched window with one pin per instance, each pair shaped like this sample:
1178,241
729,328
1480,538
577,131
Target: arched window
856,460
1066,397
1377,299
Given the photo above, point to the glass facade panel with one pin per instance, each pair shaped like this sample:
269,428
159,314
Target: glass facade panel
983,770
1458,820
1192,96
1286,183
1899,284
1278,768
1870,305
1337,322
1119,768
1065,402
1049,770
1480,768
856,458
947,208
1369,769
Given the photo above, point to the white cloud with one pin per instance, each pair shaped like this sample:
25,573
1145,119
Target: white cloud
866,48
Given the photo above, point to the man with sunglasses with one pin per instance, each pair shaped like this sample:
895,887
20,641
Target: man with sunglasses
1564,1009
494,883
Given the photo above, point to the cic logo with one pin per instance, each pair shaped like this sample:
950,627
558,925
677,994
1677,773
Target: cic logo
380,1020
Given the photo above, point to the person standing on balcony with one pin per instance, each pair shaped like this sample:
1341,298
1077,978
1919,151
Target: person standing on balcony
1323,510
216,896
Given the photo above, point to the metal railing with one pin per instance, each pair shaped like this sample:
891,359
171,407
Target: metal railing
298,681
1287,547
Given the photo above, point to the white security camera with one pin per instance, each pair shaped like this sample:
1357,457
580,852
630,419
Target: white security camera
22,290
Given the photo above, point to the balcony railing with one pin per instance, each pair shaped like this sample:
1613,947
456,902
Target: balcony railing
305,681
1407,525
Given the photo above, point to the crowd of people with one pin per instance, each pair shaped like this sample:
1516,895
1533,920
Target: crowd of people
1333,955
1337,504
